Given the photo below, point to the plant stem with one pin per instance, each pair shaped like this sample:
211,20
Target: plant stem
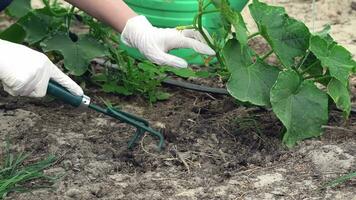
253,35
69,18
303,60
210,11
309,67
317,78
267,54
46,3
322,78
199,20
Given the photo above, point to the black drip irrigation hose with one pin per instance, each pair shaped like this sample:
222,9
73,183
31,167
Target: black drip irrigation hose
353,110
186,85
195,87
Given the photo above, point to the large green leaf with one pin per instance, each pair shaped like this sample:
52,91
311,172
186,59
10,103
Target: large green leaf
335,57
35,26
250,80
288,37
19,8
300,105
312,64
31,28
239,25
234,18
77,55
325,34
14,33
341,96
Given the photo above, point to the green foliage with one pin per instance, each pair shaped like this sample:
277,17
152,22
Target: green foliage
333,57
132,78
19,8
77,54
288,37
306,61
251,80
234,18
341,96
35,27
15,174
14,33
293,89
312,65
300,105
50,29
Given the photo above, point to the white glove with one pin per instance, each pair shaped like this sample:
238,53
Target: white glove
154,43
25,72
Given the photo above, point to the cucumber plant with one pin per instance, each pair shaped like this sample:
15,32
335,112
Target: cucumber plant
313,69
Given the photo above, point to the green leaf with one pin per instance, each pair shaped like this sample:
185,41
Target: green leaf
35,26
77,55
288,37
300,105
182,72
151,69
334,57
160,96
99,77
235,19
203,74
19,8
31,28
250,80
239,25
325,34
312,60
341,96
14,33
112,87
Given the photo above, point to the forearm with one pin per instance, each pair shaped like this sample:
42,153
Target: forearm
112,12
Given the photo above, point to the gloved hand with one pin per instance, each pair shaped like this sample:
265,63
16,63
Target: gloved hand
25,72
154,43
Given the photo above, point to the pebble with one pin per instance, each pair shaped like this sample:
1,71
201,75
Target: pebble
67,164
73,193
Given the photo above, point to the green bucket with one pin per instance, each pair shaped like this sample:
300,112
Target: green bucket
173,13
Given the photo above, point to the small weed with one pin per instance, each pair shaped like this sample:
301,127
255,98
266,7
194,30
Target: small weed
340,180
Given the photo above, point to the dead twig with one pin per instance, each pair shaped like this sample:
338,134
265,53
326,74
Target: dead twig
181,158
143,146
338,128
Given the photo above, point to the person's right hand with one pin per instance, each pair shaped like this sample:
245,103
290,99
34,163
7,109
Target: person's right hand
25,72
155,43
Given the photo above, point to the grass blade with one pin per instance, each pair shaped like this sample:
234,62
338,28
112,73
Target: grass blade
14,174
340,180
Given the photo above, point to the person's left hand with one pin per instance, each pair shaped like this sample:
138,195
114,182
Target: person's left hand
154,43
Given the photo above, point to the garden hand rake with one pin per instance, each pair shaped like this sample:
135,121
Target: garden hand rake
56,90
